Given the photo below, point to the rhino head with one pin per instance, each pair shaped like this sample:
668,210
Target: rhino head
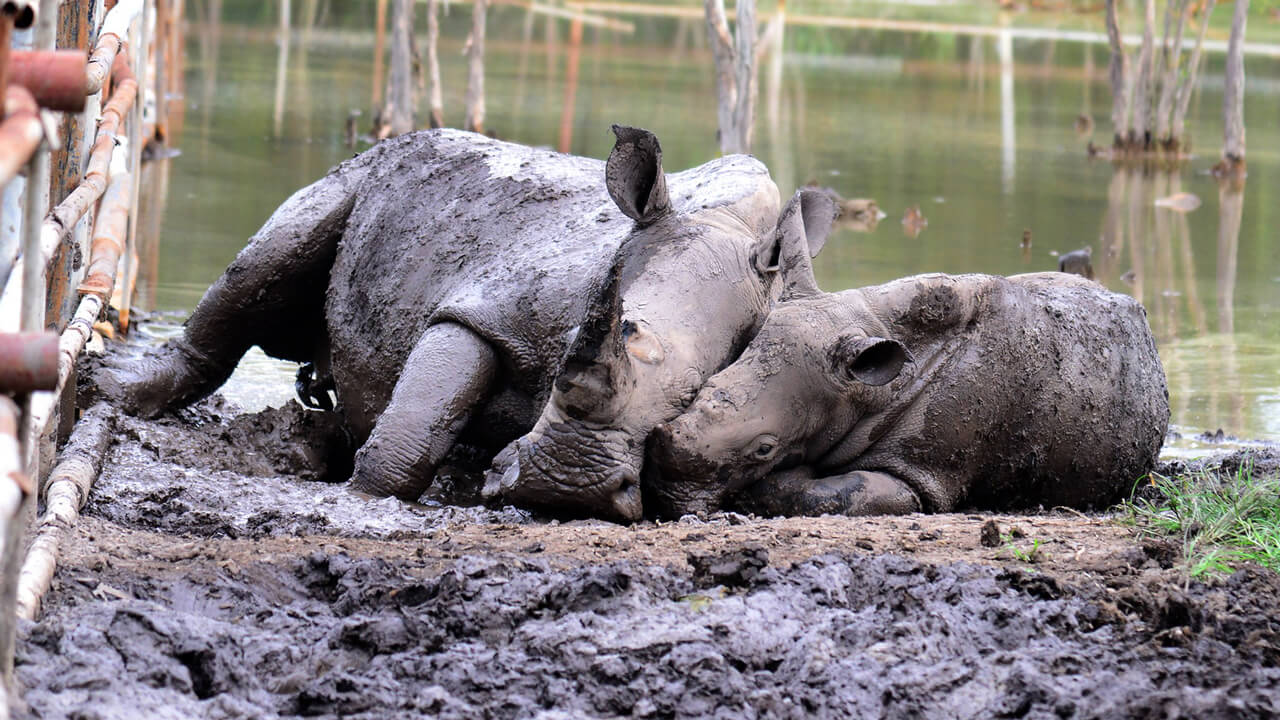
687,290
818,363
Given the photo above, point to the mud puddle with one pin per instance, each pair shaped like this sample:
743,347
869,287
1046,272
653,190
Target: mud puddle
214,576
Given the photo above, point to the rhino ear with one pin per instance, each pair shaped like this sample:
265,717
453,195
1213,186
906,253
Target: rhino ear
634,175
868,360
803,227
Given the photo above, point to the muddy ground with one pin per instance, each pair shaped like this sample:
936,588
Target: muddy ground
212,576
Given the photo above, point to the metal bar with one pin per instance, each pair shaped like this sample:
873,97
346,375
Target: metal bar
54,77
20,133
28,361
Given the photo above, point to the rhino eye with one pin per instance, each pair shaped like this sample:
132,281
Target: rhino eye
762,448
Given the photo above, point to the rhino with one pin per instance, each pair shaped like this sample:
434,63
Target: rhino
445,286
927,393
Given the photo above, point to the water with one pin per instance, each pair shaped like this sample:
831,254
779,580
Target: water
975,132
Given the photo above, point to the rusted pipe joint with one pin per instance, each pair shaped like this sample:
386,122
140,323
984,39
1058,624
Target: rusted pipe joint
54,77
23,12
28,361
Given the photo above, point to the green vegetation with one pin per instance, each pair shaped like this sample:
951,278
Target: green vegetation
1222,520
1029,555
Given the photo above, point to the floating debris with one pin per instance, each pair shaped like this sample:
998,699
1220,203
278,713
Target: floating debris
1129,278
914,221
1084,125
352,129
1026,239
859,214
1183,202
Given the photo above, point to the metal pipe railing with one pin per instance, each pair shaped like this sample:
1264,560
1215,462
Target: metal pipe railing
40,366
63,218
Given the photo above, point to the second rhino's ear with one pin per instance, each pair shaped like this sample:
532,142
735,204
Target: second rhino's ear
633,175
803,227
868,360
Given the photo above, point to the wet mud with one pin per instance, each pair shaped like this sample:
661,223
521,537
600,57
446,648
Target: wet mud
213,576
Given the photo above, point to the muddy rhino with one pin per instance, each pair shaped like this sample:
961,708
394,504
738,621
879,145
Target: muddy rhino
924,394
442,284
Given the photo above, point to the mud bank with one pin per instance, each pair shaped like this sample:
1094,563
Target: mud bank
209,579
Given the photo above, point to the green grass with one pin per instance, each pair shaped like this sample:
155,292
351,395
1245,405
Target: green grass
1223,521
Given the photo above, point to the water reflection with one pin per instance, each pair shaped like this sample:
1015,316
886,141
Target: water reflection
907,120
1217,375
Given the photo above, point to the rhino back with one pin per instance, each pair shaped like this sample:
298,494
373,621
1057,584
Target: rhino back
509,240
1041,389
455,226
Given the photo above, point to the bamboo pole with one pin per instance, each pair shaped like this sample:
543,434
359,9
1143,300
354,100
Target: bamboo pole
401,104
282,68
1169,81
64,495
1183,100
433,64
1233,92
475,74
570,100
745,75
379,48
1138,103
722,53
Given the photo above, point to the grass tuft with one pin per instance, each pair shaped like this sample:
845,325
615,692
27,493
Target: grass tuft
1223,520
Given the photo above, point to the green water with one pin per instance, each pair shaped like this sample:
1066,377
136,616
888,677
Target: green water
985,149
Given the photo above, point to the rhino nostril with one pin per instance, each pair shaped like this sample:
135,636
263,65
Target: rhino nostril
626,496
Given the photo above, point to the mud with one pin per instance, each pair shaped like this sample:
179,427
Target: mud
208,579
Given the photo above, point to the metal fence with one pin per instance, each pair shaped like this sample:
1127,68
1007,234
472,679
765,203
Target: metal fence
86,86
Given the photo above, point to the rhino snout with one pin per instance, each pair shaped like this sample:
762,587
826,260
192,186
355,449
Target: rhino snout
550,474
679,480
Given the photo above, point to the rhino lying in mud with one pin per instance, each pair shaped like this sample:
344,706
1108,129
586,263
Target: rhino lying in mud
926,393
437,284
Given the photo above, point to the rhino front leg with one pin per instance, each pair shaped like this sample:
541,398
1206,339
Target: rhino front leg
450,371
798,492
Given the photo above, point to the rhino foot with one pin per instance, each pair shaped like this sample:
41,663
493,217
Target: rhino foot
162,379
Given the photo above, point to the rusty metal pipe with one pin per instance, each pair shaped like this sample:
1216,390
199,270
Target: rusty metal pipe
55,77
100,62
20,133
69,211
109,237
28,361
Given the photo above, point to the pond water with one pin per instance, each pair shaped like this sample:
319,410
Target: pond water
977,132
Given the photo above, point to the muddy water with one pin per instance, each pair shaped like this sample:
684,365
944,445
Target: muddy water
975,132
